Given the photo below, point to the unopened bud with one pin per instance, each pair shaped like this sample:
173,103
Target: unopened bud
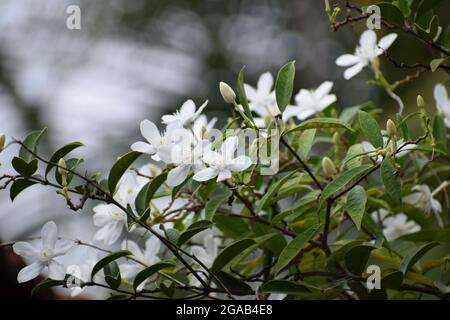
328,167
227,93
62,168
420,102
391,128
2,141
336,138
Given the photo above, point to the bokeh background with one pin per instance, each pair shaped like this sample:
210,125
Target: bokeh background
140,59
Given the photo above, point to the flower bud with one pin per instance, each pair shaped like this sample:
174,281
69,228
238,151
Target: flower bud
328,167
2,141
62,168
420,102
336,138
227,93
391,128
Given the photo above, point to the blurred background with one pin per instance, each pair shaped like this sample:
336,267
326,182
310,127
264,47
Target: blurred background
139,59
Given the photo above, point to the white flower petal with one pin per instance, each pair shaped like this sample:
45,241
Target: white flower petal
240,163
150,132
205,174
368,40
143,147
353,71
187,110
223,175
102,214
229,147
133,248
62,246
177,175
265,82
441,98
347,60
326,101
323,90
30,272
49,235
25,249
386,42
152,246
56,270
289,112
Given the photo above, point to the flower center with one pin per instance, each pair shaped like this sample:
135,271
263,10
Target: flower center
117,215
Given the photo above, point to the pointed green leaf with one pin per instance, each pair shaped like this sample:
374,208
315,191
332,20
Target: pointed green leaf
411,258
371,129
242,96
356,205
273,191
108,259
148,272
145,195
18,186
284,85
193,229
119,168
230,252
61,153
391,181
320,123
213,204
31,141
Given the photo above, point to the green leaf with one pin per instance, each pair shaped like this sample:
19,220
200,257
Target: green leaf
242,96
145,195
391,13
31,141
24,168
148,272
341,180
284,85
441,235
371,129
18,186
213,204
112,275
273,191
294,247
391,181
61,153
392,280
356,258
109,258
233,283
305,142
403,5
356,205
353,157
440,131
231,251
321,123
411,258
193,229
284,286
425,7
435,63
119,168
46,284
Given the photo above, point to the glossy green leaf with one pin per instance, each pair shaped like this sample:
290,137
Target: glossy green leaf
391,181
232,283
371,129
356,205
213,204
294,247
242,96
284,286
18,186
441,235
193,229
284,85
108,259
119,168
411,258
392,280
61,153
391,13
321,123
145,195
112,274
341,181
31,141
274,188
230,252
356,258
24,168
46,284
148,272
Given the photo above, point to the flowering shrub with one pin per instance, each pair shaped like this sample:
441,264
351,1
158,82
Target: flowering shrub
300,200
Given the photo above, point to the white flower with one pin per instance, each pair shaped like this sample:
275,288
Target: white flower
185,157
365,53
186,115
395,226
156,140
147,258
442,102
111,218
44,256
262,99
202,127
424,199
368,147
309,102
222,163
